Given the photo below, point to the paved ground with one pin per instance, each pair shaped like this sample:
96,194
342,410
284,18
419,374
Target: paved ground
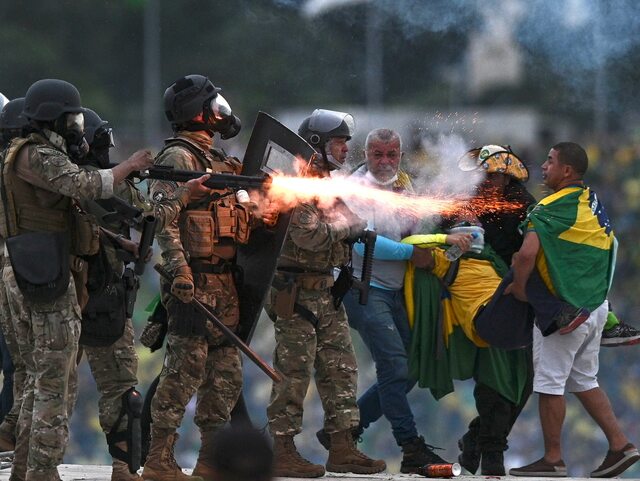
73,472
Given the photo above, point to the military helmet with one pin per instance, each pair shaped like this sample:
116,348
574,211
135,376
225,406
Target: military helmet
186,97
3,101
11,117
323,125
48,99
92,124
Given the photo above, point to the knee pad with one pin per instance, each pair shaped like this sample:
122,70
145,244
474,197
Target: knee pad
132,408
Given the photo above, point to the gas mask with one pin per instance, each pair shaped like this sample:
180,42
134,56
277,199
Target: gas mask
102,142
219,117
71,127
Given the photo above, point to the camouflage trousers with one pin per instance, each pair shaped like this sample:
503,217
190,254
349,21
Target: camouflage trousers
10,421
301,347
47,335
114,369
202,364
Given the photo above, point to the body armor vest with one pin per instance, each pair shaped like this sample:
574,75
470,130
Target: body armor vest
21,212
211,228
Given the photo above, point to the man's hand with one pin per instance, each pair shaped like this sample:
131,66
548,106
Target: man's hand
270,215
182,286
139,160
518,292
356,229
422,258
198,191
462,240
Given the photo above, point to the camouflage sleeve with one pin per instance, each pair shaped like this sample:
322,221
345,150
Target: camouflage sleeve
162,192
165,211
52,170
310,232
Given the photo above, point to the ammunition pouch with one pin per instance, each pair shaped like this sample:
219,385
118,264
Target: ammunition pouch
40,262
110,303
285,299
185,320
131,407
342,285
155,330
214,232
85,233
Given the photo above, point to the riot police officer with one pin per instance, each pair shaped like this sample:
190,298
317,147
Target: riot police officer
310,331
198,249
107,335
12,125
45,238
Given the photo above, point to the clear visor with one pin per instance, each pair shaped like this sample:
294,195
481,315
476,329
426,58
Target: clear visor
75,122
220,107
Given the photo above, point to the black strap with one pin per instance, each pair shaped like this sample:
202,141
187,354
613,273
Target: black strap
199,267
298,308
451,274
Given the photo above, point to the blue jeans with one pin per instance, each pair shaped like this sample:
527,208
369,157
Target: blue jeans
6,395
384,328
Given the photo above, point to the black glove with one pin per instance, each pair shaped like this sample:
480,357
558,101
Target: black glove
356,230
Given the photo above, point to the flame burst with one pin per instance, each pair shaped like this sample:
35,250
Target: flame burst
287,191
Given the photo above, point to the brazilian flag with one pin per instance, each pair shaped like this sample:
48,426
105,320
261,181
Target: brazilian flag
436,359
578,244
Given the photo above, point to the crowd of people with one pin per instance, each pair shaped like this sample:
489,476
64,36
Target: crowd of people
521,307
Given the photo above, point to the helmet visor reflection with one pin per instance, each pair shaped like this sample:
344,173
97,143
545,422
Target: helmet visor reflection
220,107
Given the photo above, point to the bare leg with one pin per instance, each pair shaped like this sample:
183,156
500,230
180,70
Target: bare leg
552,410
597,404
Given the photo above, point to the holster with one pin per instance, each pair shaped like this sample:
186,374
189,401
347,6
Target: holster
285,298
40,262
342,285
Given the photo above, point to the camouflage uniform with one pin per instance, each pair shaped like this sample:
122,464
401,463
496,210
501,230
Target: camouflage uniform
315,245
114,366
10,421
47,333
198,359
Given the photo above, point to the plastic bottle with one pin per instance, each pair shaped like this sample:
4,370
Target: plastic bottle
454,252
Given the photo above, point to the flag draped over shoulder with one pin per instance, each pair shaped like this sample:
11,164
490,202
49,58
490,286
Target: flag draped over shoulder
578,244
440,351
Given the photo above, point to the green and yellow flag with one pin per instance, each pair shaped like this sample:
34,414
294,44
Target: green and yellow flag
578,245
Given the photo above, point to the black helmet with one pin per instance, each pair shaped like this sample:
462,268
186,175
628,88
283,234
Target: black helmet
93,125
323,125
186,97
48,99
11,117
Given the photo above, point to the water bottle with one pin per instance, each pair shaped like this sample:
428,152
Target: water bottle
454,252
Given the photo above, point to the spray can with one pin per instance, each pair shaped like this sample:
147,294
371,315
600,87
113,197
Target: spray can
444,470
454,252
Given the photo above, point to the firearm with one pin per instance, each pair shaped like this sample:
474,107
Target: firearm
117,210
146,240
228,333
215,181
368,238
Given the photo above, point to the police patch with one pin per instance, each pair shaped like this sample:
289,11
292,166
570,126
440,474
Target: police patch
158,196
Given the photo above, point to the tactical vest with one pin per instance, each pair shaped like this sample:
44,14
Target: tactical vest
210,230
294,255
20,211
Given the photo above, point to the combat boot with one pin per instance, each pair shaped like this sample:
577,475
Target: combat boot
48,475
325,438
416,453
289,463
161,463
120,469
469,457
344,457
204,465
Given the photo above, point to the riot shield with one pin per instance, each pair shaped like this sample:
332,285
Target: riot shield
272,147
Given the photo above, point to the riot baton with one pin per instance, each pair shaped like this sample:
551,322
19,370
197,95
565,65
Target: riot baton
228,333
